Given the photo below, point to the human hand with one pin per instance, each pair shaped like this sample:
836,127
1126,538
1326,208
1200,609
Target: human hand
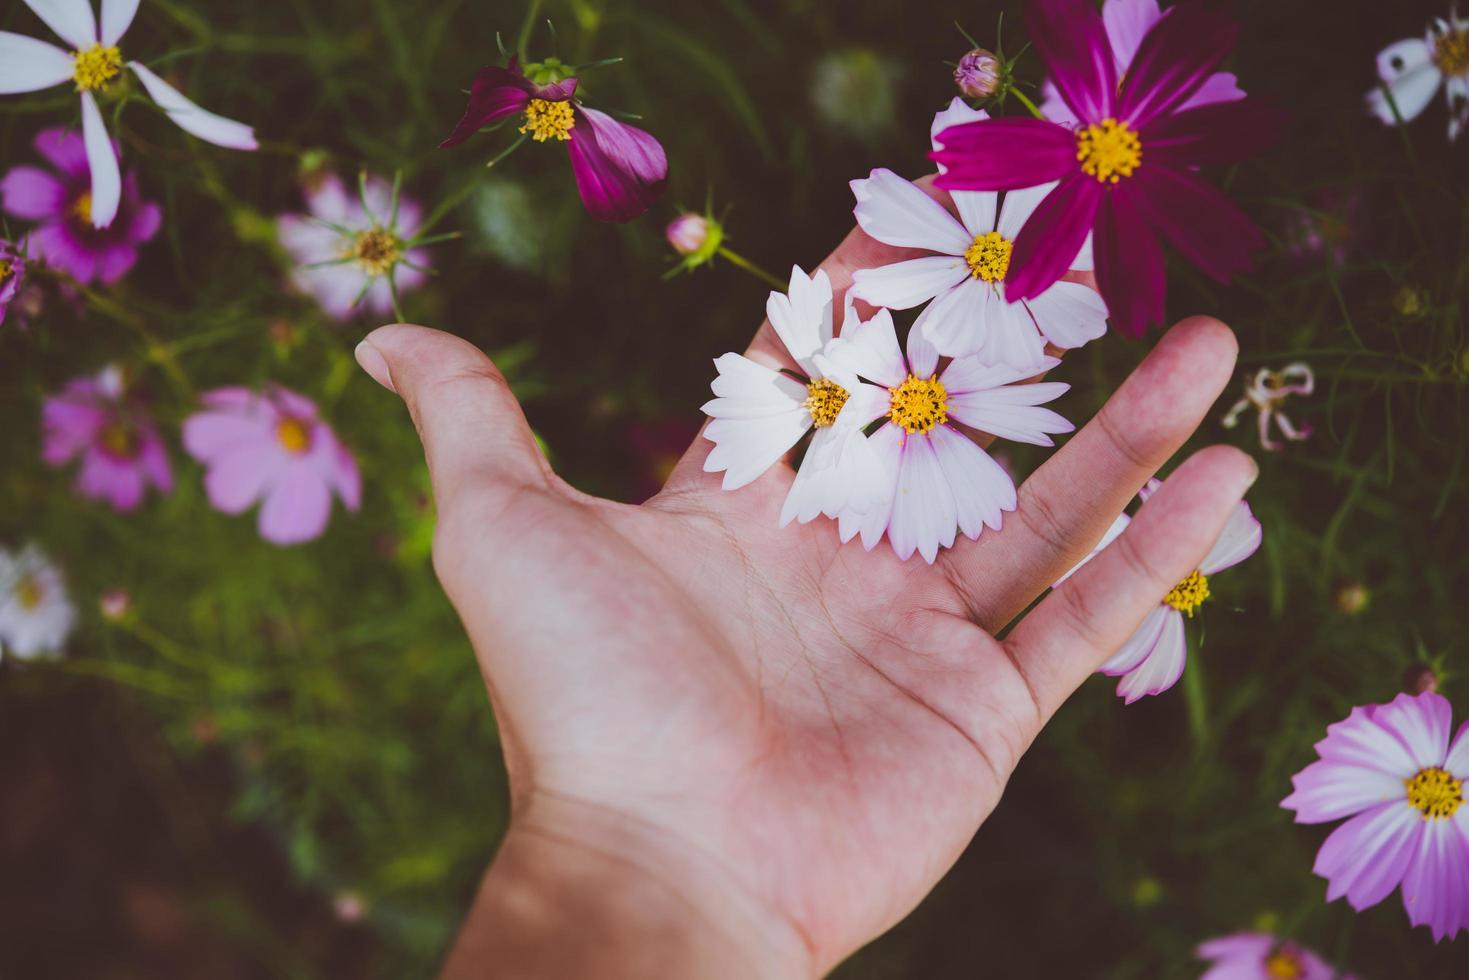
736,749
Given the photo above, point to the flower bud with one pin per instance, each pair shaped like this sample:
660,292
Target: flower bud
1352,598
1420,679
115,603
979,74
687,233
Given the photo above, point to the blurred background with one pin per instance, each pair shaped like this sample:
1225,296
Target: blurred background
263,761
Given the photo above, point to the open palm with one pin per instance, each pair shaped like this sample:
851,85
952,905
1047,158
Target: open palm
801,736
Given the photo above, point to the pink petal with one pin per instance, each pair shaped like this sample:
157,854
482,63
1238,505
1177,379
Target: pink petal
620,170
1072,41
1128,22
1130,271
32,194
1366,857
1422,722
1176,57
118,482
64,149
1001,154
1163,666
297,507
208,435
1436,887
1358,740
1205,226
1326,791
1051,239
494,94
1144,639
1239,540
237,478
1457,761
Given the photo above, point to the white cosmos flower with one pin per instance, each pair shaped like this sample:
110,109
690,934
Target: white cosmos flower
94,63
935,479
759,414
1413,70
1152,660
35,614
963,282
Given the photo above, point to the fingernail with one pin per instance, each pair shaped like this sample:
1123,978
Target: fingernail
371,360
1254,472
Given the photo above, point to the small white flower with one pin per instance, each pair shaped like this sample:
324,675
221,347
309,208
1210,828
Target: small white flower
1413,71
1267,392
35,614
759,414
963,283
94,64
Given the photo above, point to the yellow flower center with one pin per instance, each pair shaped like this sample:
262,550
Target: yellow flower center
1109,150
989,257
376,251
29,592
1451,52
548,120
919,404
1434,793
119,440
7,268
96,67
824,401
294,435
1284,965
1189,595
81,208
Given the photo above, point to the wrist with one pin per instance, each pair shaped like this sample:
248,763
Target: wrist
575,891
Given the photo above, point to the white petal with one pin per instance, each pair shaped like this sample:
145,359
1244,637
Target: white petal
870,351
923,356
886,447
745,389
804,501
955,113
102,160
72,20
745,448
957,321
28,65
1005,412
1457,761
896,212
1013,339
1113,532
1139,645
191,118
1239,540
1018,205
1069,314
802,316
1407,69
981,487
117,17
965,374
924,513
1163,666
906,284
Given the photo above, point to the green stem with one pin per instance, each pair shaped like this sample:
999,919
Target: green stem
522,43
751,268
157,351
1025,101
1193,693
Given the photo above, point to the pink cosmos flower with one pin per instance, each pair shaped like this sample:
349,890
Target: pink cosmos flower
961,283
12,274
1126,23
61,201
1127,171
620,170
94,65
271,446
1152,661
120,450
936,479
1393,770
355,251
1261,956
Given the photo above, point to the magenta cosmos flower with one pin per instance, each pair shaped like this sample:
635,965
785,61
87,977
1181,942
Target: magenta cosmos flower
271,446
1127,22
355,251
60,200
620,170
12,274
1126,171
93,420
94,64
1393,770
1261,956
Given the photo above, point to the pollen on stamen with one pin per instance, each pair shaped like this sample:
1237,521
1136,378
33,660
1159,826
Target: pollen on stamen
989,256
7,269
1109,150
1187,596
824,401
81,208
294,435
96,67
377,251
1434,793
1451,52
546,120
919,404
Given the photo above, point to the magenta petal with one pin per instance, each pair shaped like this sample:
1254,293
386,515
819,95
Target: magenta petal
31,194
1052,236
64,149
620,170
1130,273
1072,40
1002,154
1436,887
1199,221
1211,135
1176,57
119,482
494,94
1366,857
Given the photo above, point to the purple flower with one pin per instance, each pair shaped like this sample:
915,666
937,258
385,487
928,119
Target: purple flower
1127,171
119,447
12,274
1126,22
271,446
1261,956
61,202
620,170
1392,769
354,251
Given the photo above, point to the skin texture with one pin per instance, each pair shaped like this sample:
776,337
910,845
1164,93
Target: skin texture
737,749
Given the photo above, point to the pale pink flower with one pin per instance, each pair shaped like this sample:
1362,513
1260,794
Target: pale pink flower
272,447
1266,392
121,453
1261,956
36,615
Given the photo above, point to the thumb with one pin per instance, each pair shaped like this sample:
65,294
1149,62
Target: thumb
473,431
